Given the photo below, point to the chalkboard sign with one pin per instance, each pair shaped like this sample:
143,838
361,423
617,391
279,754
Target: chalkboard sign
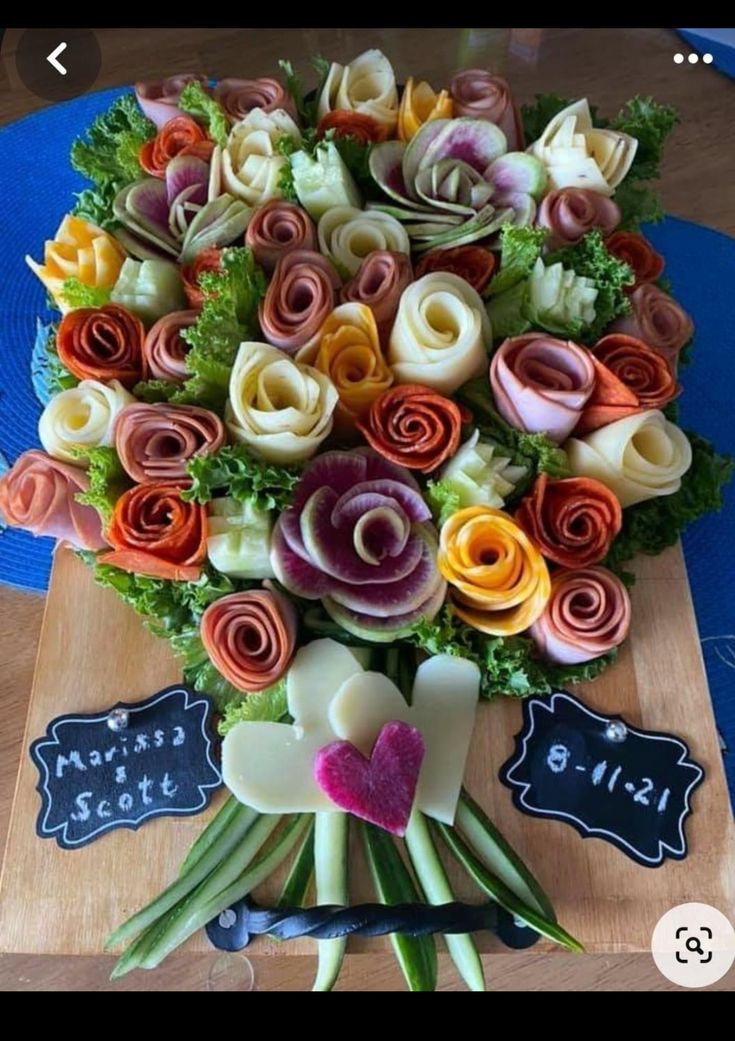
603,776
125,766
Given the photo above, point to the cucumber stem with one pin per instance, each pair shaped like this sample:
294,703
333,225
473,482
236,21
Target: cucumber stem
213,830
299,877
437,890
331,834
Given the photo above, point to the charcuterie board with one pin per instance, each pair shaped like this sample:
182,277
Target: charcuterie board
94,653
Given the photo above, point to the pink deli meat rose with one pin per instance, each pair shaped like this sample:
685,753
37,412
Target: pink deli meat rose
238,97
478,94
38,495
569,213
659,321
157,442
164,348
541,384
159,98
278,228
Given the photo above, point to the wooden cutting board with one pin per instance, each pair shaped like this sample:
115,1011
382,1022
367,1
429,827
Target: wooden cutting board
94,652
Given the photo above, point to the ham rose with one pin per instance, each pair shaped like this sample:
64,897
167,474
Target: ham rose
588,615
164,348
276,229
640,368
569,213
300,296
413,427
658,320
347,350
478,94
159,98
472,263
250,637
541,384
379,283
82,418
637,252
38,494
499,580
358,537
572,521
208,260
441,333
155,533
639,457
102,343
239,97
282,410
180,136
157,442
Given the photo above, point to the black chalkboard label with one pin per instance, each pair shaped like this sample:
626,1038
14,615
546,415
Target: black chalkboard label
94,779
603,776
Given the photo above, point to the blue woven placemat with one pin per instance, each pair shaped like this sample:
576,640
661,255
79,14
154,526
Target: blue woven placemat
700,262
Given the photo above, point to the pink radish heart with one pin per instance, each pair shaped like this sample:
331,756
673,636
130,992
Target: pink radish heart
380,789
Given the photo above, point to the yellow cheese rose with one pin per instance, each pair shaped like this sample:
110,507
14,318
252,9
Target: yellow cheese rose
420,104
78,250
500,580
282,410
347,349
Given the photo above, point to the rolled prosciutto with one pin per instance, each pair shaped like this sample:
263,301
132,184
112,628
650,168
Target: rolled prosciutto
165,350
588,614
209,259
238,97
658,320
569,213
155,533
250,637
157,442
541,384
38,494
102,343
379,283
413,427
301,294
159,98
572,521
278,228
480,95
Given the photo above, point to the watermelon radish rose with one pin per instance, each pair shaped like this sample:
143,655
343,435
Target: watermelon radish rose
358,537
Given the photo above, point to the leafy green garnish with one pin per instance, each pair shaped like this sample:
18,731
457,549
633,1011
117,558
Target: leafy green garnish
76,294
356,157
520,248
48,375
443,499
536,116
108,156
203,107
234,472
649,527
590,258
286,146
107,481
268,706
508,665
295,87
650,124
639,204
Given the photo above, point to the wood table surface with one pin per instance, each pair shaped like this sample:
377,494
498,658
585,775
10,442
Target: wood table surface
608,64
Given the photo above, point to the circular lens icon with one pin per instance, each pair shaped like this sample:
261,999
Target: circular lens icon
693,945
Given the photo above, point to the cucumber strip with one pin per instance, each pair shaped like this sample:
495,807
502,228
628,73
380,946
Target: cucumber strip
502,895
435,884
208,903
331,833
499,857
299,877
207,861
394,885
213,830
223,873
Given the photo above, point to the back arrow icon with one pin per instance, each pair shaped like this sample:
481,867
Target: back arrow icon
51,58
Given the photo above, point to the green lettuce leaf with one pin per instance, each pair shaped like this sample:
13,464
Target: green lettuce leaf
76,294
234,472
48,375
205,109
268,706
639,204
107,481
286,146
520,248
590,258
295,87
536,116
650,124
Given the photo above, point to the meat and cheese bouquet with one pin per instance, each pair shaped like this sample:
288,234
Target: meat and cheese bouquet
359,397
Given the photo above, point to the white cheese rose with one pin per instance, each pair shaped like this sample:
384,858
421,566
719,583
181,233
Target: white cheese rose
367,85
347,235
250,165
81,419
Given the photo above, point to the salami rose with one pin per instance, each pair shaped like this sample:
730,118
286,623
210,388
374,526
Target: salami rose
588,615
250,637
569,213
154,532
380,283
479,95
345,123
658,320
209,259
157,442
472,263
180,136
301,294
646,264
572,521
102,343
165,350
413,427
276,229
641,369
